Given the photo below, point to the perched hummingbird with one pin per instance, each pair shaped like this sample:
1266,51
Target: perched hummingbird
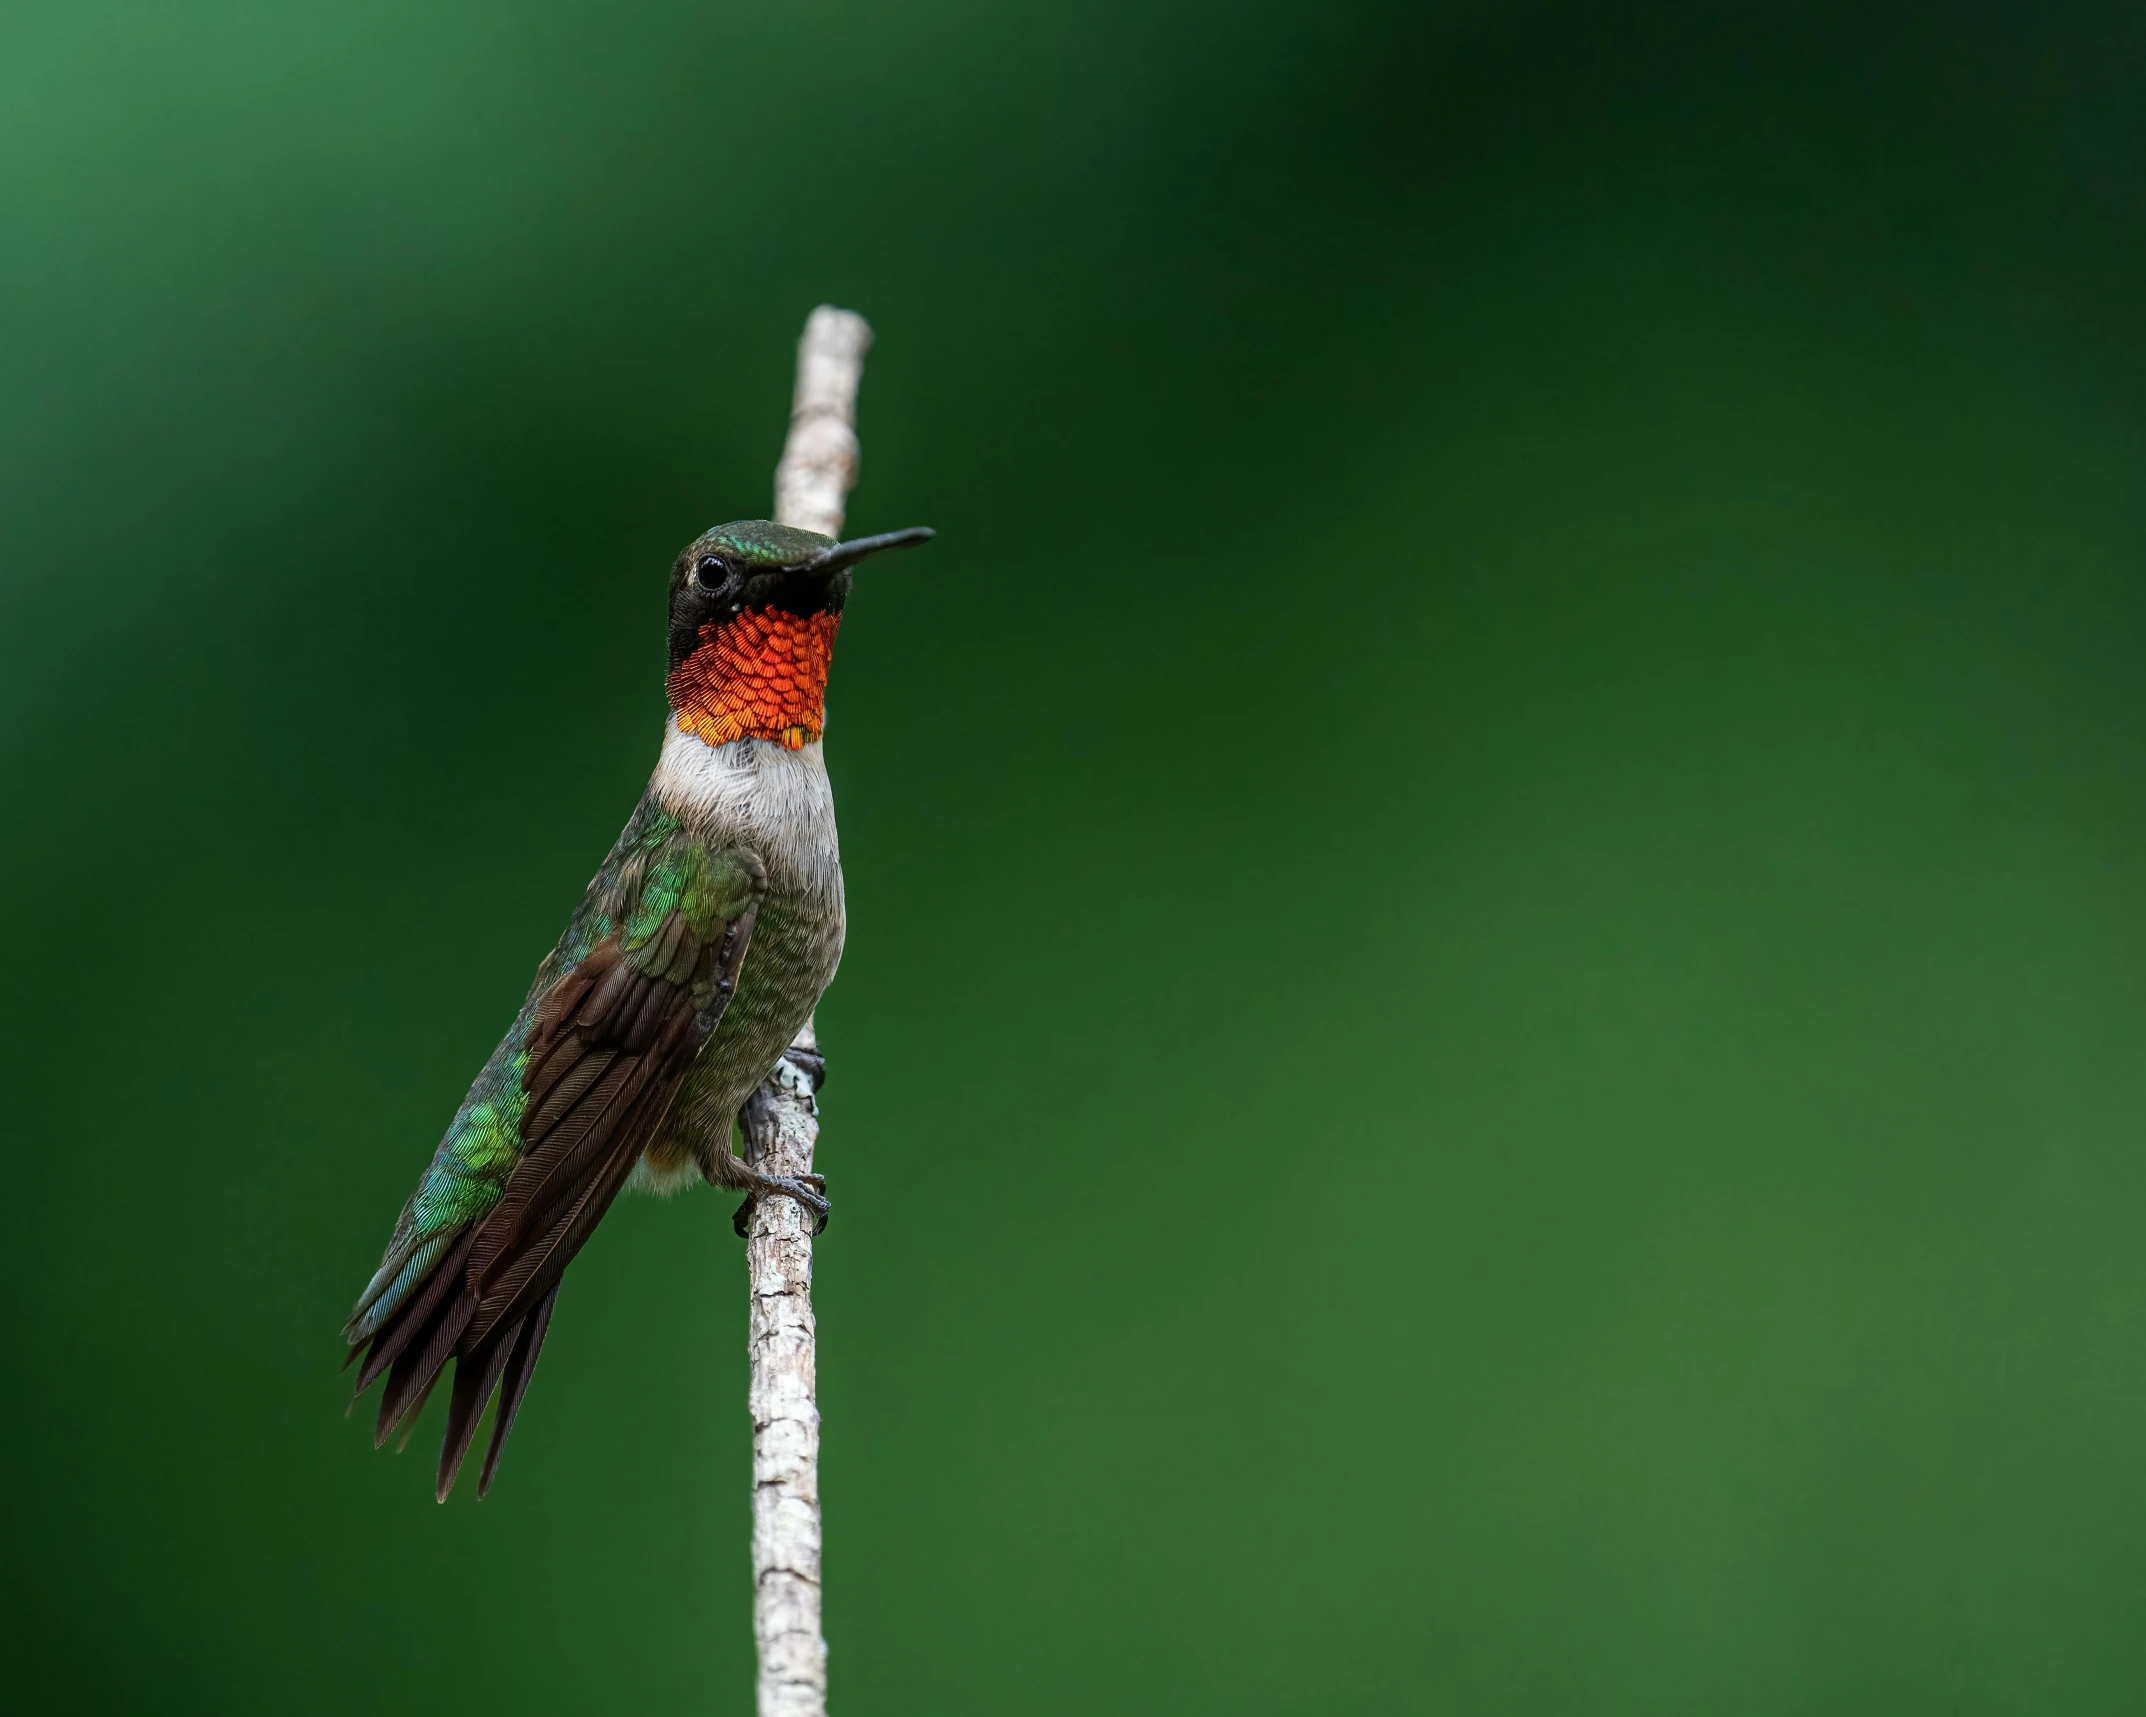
696,954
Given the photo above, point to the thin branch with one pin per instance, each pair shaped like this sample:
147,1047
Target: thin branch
819,460
781,1125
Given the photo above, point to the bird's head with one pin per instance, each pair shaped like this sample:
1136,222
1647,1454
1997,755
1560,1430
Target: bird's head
754,609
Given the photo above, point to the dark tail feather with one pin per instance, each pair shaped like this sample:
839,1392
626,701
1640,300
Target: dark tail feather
522,1351
416,1412
475,1375
417,1367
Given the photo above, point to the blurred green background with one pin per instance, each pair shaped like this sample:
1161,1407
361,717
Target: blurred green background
1490,1059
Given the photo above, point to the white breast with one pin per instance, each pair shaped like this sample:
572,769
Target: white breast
759,794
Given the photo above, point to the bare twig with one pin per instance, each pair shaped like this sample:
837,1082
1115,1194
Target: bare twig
781,1124
819,460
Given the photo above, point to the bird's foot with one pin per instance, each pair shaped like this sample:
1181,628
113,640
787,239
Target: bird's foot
810,1190
810,1062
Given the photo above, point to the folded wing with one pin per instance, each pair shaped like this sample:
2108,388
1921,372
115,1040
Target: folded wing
601,1061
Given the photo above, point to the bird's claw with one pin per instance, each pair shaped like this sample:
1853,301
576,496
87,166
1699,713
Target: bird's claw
810,1190
810,1063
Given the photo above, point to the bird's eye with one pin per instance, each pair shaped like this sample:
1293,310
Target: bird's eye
709,574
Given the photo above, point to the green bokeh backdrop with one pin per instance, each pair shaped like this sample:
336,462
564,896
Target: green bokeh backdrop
1491,1052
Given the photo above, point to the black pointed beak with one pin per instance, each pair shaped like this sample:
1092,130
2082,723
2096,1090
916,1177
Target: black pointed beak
857,548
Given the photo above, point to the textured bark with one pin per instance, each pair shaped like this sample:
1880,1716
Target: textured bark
819,460
781,1125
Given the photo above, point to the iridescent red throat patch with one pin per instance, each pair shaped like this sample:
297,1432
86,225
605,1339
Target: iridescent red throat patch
757,676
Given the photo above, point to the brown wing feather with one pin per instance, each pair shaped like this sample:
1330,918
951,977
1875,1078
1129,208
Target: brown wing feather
578,1126
612,1043
558,1224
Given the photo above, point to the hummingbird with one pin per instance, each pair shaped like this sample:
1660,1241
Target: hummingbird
700,948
